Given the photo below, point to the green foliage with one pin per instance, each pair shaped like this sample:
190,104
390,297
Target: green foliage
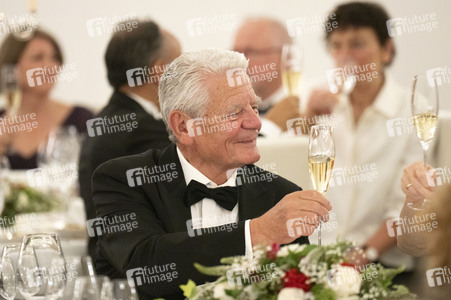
376,283
24,199
189,289
323,293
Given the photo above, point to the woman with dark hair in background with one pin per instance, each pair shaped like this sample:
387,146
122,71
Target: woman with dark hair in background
370,152
36,107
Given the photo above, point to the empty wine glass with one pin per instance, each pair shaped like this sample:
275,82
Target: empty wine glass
118,289
321,158
42,268
59,157
7,279
88,288
292,63
424,104
81,279
9,260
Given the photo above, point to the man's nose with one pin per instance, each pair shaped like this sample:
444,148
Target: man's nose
252,120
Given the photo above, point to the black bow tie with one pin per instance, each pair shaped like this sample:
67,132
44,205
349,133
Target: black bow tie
226,197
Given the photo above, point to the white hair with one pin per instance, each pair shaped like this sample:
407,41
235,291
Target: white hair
183,85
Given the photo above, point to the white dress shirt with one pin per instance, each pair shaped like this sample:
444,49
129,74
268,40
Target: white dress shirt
148,106
207,211
362,204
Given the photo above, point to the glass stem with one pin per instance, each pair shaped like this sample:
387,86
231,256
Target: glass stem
424,158
320,223
319,233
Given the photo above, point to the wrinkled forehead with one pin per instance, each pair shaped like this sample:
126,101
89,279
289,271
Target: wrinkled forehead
226,94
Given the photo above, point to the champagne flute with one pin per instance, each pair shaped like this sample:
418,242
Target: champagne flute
118,289
11,95
10,89
42,268
24,28
424,104
292,63
4,169
321,158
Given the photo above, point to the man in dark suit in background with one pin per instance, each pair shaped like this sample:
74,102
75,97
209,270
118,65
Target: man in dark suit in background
131,121
201,198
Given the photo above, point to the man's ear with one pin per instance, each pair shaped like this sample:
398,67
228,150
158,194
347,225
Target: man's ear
389,52
178,123
159,67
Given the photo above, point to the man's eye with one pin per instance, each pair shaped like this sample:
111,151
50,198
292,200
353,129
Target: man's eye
234,115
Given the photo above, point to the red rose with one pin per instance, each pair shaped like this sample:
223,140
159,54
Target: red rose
296,280
272,254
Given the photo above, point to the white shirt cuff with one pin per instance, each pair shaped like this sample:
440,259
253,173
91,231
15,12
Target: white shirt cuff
247,236
269,128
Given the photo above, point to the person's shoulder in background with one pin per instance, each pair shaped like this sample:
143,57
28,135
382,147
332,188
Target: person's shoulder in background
78,117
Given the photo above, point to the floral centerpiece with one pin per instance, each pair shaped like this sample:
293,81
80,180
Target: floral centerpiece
298,272
21,198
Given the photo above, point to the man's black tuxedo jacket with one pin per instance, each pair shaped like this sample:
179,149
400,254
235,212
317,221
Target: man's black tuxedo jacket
150,134
161,236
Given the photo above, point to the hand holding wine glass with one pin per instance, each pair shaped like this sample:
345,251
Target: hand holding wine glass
424,104
321,158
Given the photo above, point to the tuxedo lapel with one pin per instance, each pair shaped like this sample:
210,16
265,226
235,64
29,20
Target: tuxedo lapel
173,193
254,199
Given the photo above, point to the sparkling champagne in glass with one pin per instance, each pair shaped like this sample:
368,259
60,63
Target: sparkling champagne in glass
292,61
424,104
321,158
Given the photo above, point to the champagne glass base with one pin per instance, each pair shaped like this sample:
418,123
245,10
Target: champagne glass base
418,206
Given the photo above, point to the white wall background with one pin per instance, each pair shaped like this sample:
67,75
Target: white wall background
66,20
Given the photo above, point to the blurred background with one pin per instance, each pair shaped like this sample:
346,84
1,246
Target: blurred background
67,21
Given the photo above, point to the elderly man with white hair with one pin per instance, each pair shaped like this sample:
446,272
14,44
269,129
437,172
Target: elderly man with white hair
201,198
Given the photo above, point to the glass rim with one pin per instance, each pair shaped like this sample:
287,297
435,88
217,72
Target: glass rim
321,126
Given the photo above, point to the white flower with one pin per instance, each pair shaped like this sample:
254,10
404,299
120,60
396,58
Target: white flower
219,291
22,201
250,293
283,251
294,294
344,281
